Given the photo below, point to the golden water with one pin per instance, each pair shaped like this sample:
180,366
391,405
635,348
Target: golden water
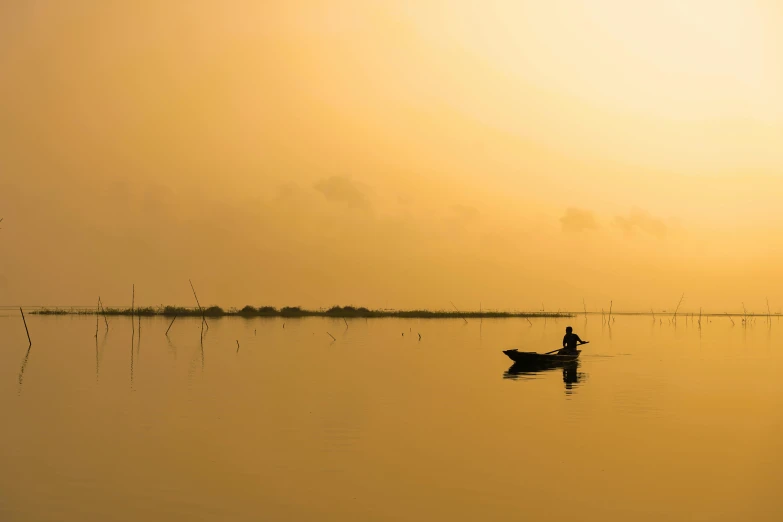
657,422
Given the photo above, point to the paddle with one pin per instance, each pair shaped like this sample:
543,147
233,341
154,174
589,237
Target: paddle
553,351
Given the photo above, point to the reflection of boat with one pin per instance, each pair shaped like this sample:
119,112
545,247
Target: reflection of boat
539,358
527,369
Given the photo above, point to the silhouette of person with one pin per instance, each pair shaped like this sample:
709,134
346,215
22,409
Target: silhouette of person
570,340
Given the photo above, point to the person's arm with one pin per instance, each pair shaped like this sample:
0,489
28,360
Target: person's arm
564,340
578,340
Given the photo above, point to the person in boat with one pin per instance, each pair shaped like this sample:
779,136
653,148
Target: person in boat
570,341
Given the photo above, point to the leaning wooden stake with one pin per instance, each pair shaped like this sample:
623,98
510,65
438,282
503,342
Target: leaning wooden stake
332,336
172,322
203,319
133,302
455,307
97,316
25,327
104,313
678,306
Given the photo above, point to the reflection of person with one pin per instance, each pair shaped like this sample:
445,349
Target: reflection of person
570,376
570,340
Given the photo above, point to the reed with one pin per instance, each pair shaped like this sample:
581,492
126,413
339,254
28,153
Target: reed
53,311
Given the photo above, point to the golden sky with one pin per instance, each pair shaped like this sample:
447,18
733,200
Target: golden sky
406,154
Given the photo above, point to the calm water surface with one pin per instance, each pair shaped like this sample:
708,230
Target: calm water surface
656,422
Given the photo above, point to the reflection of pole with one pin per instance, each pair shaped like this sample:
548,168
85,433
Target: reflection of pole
24,364
201,343
131,359
97,364
25,327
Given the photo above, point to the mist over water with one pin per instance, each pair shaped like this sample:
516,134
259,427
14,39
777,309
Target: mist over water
287,424
516,156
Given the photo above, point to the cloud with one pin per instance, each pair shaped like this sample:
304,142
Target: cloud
641,220
578,220
339,189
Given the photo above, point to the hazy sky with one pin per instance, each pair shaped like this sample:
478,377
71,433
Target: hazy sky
406,154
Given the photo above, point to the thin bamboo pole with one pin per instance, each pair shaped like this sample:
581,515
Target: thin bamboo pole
25,327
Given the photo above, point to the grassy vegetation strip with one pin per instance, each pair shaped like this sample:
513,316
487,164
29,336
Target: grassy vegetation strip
293,311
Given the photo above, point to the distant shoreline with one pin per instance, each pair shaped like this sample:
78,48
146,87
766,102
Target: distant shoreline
359,312
294,311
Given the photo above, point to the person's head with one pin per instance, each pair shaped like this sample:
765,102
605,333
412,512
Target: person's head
569,329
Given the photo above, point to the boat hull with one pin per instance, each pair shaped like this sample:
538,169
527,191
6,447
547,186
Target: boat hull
533,357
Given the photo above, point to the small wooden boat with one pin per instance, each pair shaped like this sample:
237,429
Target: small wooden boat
533,357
